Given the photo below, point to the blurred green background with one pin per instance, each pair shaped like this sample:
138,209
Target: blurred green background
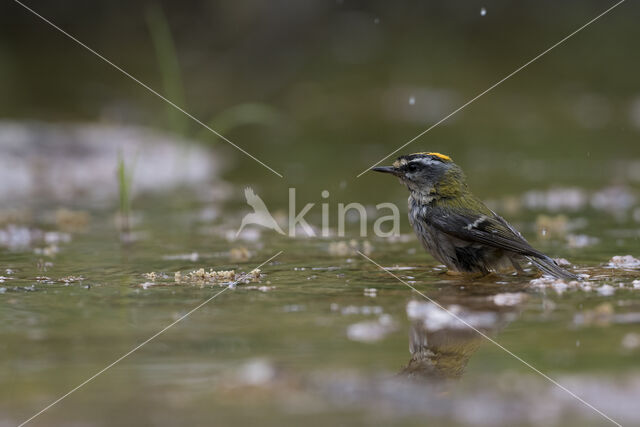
333,82
319,91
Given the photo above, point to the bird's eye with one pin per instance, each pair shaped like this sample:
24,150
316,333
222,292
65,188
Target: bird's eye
412,167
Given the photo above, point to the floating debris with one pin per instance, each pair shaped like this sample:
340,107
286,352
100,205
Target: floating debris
49,251
435,318
343,248
211,275
371,331
401,238
153,276
201,276
147,285
193,256
399,268
581,240
624,261
509,298
71,279
261,288
558,285
257,372
606,290
370,292
631,341
354,309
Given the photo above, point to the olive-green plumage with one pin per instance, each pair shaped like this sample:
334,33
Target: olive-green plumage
455,226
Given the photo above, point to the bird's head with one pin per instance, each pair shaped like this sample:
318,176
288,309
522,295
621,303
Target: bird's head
427,173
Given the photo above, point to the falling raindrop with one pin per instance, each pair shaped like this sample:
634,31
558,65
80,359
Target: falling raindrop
412,100
483,11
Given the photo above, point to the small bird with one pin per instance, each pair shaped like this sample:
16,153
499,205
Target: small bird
455,227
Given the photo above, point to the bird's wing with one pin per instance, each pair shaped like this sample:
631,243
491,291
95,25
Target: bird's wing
488,229
255,201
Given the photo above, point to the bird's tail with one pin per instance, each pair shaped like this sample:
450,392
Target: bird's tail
549,266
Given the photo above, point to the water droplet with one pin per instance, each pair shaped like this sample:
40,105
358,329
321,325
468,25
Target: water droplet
412,100
483,11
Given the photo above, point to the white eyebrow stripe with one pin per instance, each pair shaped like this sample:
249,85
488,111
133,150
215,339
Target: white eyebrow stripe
422,160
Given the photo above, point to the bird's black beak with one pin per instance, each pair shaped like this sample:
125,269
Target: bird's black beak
385,169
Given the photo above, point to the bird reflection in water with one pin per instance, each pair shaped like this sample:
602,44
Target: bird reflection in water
442,345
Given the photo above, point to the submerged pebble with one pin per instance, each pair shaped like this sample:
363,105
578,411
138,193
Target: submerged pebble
624,261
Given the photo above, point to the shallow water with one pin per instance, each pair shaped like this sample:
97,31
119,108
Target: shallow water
312,339
312,342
